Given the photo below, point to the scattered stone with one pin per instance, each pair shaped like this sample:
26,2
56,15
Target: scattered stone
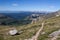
57,15
56,33
13,32
20,32
43,33
28,39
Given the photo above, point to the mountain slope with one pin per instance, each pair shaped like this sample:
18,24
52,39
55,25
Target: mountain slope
51,24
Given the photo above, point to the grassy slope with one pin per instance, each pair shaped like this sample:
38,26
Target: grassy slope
51,25
29,30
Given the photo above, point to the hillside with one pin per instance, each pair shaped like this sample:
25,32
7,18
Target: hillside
13,18
29,30
51,24
17,17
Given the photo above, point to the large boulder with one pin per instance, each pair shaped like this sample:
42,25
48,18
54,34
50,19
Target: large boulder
13,32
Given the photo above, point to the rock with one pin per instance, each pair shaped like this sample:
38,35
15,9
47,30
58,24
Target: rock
43,33
57,15
56,33
28,39
13,32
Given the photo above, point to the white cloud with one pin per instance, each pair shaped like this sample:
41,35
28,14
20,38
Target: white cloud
51,6
14,4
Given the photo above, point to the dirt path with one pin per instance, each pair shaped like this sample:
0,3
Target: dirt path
35,37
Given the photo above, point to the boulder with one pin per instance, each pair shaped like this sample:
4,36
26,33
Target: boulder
13,32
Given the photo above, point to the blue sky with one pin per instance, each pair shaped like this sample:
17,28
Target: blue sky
29,5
